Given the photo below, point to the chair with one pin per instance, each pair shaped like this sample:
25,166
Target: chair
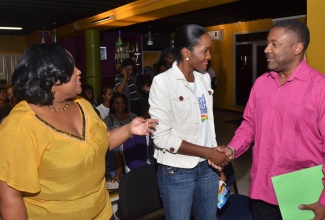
139,196
230,174
237,207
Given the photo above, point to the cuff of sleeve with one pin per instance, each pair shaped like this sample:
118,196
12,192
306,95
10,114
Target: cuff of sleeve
235,145
175,146
233,151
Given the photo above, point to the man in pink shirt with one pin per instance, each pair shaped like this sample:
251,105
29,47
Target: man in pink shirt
285,117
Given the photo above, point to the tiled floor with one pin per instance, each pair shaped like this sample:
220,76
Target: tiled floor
225,131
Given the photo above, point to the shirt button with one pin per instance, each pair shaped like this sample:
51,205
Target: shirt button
172,149
181,98
210,92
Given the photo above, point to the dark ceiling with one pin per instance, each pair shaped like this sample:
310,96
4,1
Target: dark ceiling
36,15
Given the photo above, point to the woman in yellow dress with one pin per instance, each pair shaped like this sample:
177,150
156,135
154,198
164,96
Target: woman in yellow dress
53,143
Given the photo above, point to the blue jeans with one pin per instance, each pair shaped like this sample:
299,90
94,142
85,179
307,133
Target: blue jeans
183,190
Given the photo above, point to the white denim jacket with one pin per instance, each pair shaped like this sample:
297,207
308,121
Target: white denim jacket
173,102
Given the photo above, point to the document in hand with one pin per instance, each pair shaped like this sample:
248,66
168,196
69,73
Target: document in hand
299,187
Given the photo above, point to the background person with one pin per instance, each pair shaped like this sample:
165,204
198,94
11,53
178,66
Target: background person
213,76
53,143
88,94
10,93
165,61
285,117
5,107
133,152
118,116
126,83
181,98
103,102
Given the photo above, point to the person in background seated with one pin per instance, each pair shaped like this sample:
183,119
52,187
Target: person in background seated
133,152
213,76
103,101
181,98
5,107
118,116
126,83
13,102
10,93
88,94
52,143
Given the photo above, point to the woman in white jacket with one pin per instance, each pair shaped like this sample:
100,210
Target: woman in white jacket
181,98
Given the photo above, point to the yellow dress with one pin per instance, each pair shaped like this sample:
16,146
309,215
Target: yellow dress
61,175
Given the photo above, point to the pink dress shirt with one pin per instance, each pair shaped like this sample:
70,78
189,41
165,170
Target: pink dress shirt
287,124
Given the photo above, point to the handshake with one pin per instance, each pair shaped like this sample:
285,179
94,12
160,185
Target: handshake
220,156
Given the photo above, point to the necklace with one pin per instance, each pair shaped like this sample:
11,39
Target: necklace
59,109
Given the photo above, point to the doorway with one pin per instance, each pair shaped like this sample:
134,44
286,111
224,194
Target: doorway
250,62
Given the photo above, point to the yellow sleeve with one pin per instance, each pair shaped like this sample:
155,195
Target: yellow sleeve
19,155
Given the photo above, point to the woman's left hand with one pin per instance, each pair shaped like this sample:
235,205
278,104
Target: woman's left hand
141,126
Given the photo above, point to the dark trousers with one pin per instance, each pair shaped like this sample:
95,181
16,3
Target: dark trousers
265,211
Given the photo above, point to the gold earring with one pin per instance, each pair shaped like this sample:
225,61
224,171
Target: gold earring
53,92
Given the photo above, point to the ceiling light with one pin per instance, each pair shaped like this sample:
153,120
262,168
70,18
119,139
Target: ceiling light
119,41
108,18
150,40
11,28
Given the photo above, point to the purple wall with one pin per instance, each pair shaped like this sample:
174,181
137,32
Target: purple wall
76,46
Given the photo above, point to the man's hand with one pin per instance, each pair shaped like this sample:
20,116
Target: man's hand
317,208
218,159
226,150
228,153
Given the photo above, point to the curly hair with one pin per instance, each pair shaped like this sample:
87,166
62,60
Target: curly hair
40,67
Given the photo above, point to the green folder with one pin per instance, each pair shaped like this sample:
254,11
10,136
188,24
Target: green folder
299,187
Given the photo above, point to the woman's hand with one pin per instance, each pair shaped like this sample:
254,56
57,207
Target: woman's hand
218,158
141,126
138,126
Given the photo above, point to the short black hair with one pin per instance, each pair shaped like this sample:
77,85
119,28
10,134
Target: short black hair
39,68
127,62
115,96
187,36
86,88
298,28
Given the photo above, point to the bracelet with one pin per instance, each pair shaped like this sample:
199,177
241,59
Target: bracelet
130,132
233,151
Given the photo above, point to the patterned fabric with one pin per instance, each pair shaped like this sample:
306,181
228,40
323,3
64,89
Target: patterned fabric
133,90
